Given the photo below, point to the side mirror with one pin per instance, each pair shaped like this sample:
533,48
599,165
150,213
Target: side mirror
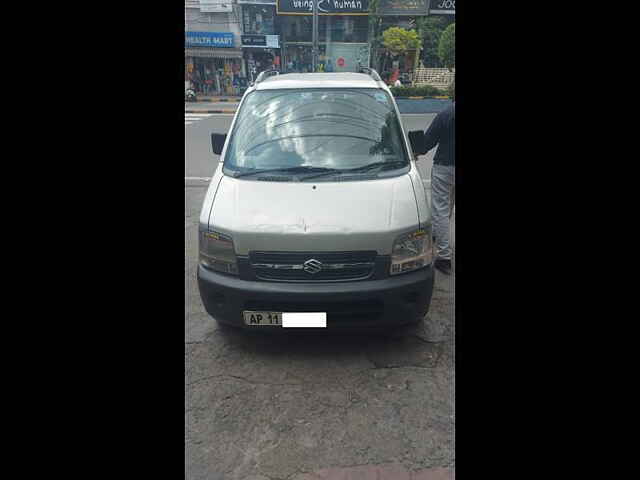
217,142
416,138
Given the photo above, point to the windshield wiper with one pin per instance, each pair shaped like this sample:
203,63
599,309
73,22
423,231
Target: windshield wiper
297,169
364,168
371,166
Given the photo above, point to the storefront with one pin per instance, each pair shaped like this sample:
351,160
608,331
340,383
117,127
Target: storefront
260,43
343,41
261,52
213,63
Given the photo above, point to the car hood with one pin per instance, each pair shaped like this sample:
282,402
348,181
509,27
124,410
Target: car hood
305,216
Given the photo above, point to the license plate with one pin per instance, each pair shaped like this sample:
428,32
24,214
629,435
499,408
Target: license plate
286,319
262,318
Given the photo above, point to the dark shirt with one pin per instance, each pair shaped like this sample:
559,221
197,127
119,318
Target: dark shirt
442,132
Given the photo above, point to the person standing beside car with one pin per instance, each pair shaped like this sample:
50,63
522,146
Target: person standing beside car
442,132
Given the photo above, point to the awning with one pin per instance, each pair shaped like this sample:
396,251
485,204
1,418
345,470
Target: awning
213,52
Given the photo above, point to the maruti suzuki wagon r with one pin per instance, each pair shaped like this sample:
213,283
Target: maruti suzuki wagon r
316,207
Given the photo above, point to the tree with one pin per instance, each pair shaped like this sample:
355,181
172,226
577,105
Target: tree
447,46
431,29
398,40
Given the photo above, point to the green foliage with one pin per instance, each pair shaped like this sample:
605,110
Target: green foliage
431,28
422,91
447,47
375,35
398,40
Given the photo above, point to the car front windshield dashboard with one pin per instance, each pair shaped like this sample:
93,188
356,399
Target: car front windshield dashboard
319,133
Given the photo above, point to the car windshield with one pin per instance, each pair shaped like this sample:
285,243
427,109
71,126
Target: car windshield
324,130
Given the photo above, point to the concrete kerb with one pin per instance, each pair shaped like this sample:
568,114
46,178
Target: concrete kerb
216,99
211,111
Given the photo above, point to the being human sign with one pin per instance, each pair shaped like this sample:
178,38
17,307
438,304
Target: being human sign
325,7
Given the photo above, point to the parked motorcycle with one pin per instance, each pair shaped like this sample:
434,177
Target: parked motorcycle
190,95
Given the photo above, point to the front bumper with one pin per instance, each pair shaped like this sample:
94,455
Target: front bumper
388,302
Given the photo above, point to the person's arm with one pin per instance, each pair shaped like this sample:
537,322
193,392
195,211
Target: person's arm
433,133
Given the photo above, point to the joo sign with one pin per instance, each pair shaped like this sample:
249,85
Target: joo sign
439,4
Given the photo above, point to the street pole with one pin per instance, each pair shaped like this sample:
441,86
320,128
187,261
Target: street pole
315,36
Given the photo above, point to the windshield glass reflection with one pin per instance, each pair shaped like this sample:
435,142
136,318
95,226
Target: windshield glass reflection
338,129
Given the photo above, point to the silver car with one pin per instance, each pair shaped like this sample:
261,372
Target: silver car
316,212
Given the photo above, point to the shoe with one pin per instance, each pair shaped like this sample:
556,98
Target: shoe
443,265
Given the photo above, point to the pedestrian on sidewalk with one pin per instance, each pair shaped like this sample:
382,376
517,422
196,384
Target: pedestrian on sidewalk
442,132
197,84
208,82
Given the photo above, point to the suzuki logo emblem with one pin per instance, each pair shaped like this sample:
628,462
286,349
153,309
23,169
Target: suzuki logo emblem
312,266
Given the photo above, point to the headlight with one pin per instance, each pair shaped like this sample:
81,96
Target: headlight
217,253
411,251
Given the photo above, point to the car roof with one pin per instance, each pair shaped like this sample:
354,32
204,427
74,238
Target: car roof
319,80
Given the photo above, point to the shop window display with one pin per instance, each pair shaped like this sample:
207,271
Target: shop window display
299,58
298,28
331,28
349,29
343,43
215,76
261,60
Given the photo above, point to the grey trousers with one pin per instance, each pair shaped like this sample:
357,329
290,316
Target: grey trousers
443,180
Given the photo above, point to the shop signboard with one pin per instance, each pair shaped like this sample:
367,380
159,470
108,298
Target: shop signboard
254,40
404,7
325,7
443,7
345,57
261,41
216,6
209,39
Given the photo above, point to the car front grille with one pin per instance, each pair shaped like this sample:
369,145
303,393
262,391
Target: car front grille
312,266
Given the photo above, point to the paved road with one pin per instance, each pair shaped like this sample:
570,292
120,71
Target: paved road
261,408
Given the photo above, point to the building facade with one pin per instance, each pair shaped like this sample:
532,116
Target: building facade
213,51
343,29
260,36
229,42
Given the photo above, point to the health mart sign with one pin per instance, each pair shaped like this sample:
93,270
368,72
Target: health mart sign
208,39
325,7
